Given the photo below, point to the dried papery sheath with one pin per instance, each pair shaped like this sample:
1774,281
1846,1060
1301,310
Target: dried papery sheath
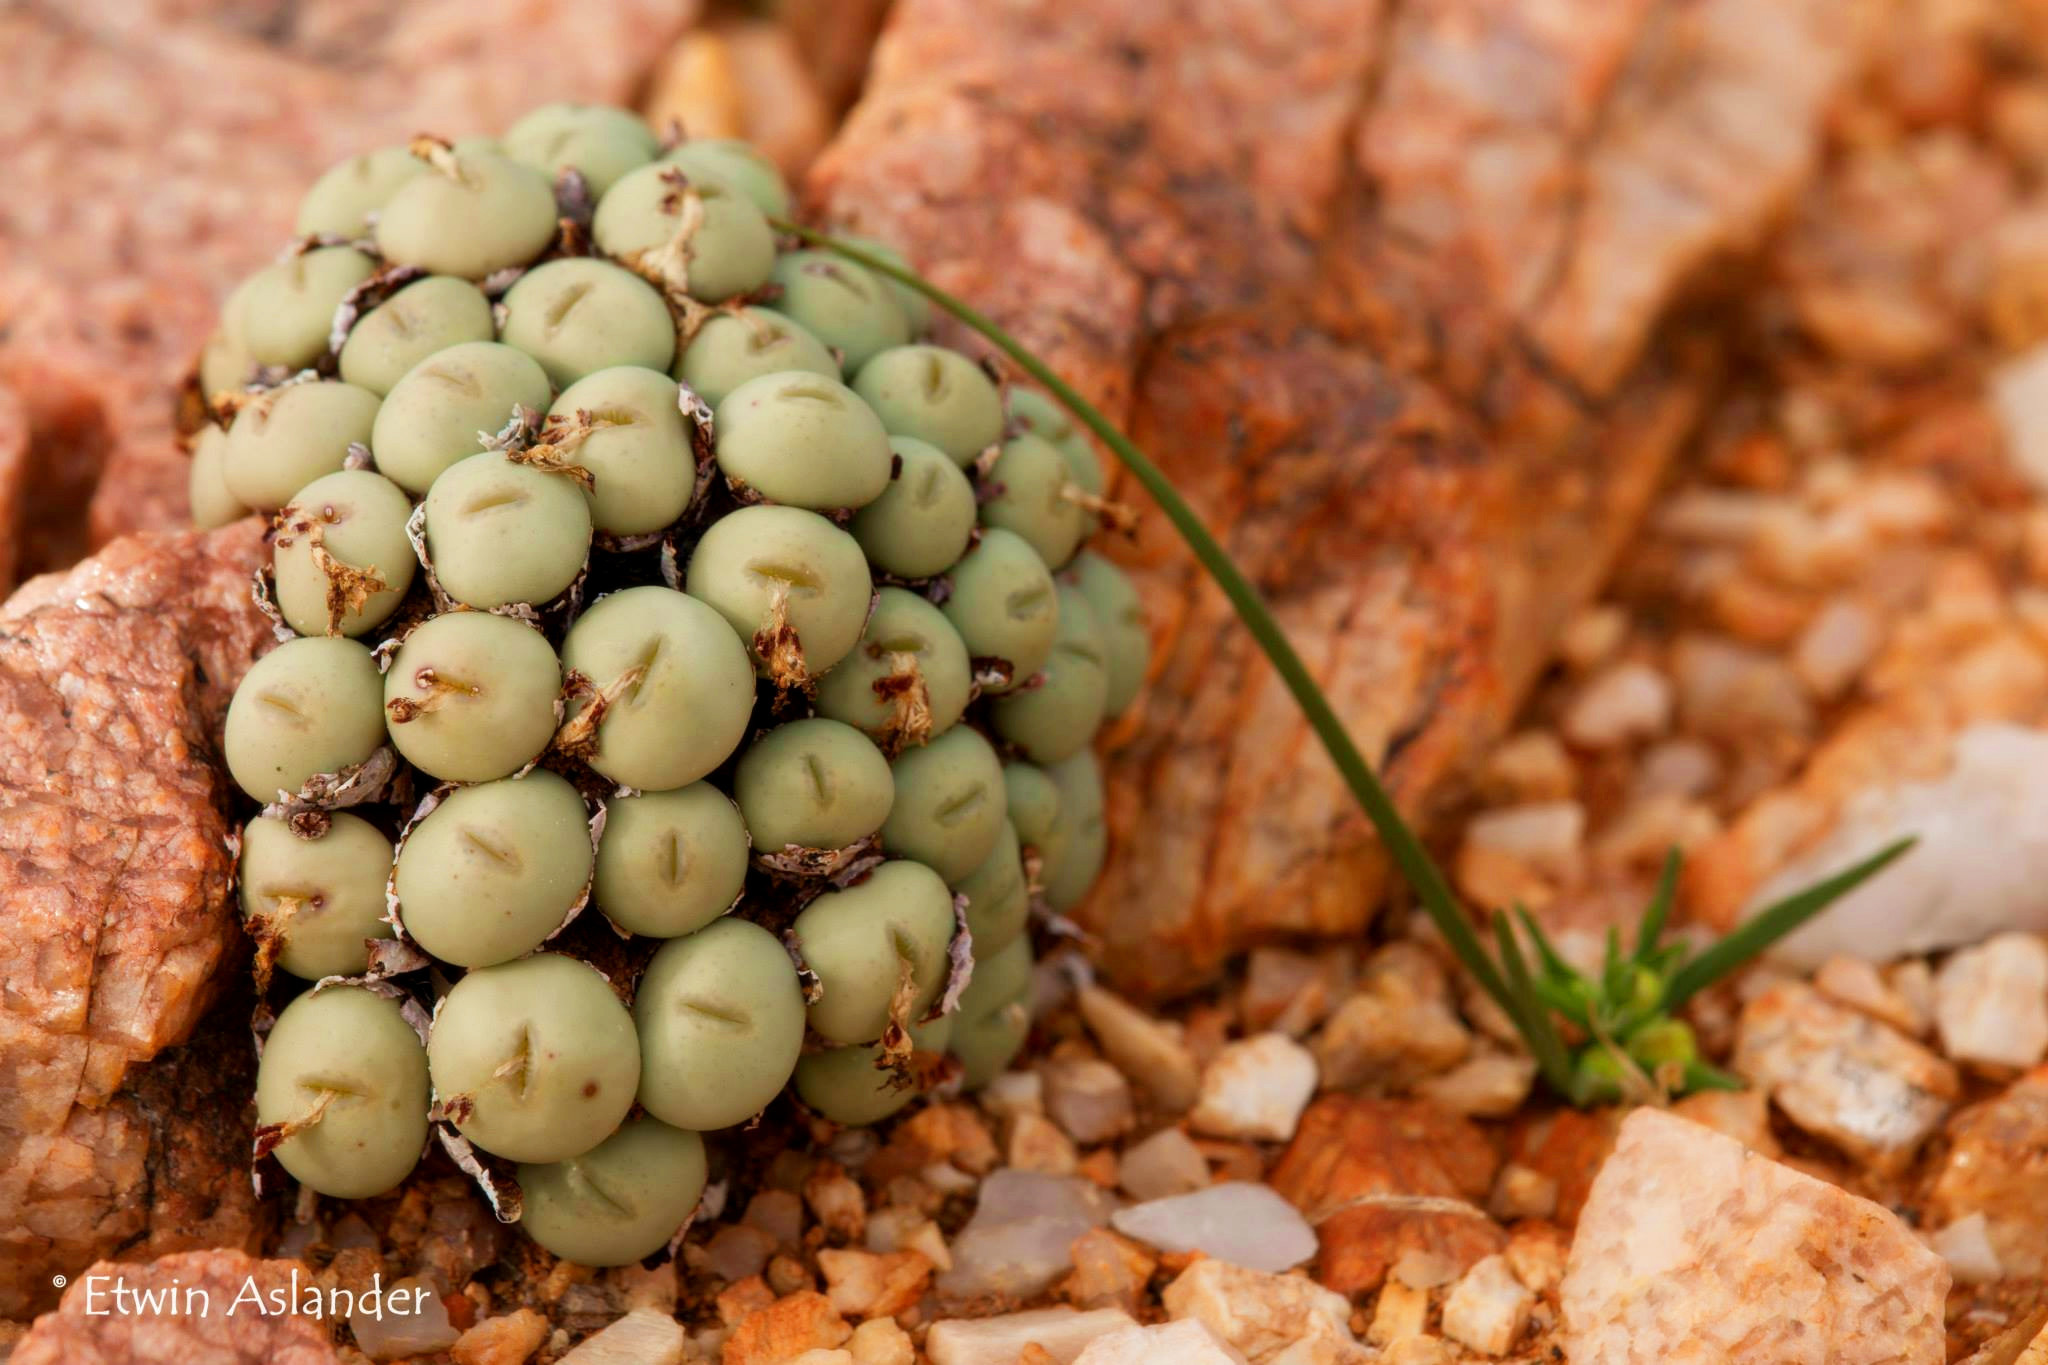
959,963
393,957
992,674
416,533
572,197
582,901
813,988
393,915
351,786
260,594
499,1188
828,864
361,298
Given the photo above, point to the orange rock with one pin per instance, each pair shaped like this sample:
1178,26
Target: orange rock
1099,1167
837,1201
1569,1147
1380,1177
788,1327
742,1299
862,1284
1037,1144
950,1132
508,1340
114,677
747,80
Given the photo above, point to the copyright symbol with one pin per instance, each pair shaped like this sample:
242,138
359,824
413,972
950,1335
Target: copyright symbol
59,1281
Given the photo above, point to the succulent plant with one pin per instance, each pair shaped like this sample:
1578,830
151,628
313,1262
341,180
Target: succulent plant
924,520
577,315
491,871
431,416
420,320
534,1060
314,905
842,304
309,707
746,343
676,697
597,142
284,439
936,395
341,1092
340,558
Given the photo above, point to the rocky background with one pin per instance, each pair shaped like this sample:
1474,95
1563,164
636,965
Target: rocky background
1637,412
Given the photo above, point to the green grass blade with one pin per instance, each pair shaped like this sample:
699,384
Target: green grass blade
1614,971
1552,961
1658,912
1768,926
1701,1075
1533,1018
1416,866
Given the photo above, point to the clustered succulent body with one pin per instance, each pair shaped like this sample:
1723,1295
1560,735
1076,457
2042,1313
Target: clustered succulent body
686,680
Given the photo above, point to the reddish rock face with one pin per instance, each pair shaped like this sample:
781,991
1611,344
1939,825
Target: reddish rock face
91,1328
132,237
113,679
1385,309
1380,1177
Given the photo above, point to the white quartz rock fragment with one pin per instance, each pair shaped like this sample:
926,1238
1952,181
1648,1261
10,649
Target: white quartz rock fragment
1490,1085
421,1329
1843,1076
642,1337
1627,702
1061,1333
1966,1245
1017,1243
1260,1314
1980,867
1145,1049
1488,1307
1088,1098
1691,1248
1256,1088
1991,1002
1175,1343
2019,395
1238,1222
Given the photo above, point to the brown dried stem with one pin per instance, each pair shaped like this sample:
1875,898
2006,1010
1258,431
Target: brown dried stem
267,926
909,697
778,644
577,739
439,689
270,1136
439,153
